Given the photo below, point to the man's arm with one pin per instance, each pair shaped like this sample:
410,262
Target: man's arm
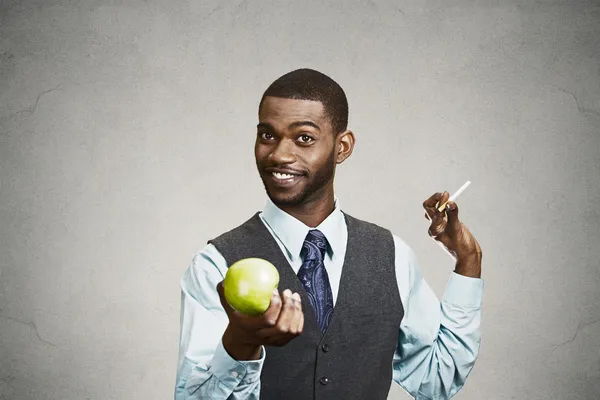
438,342
205,369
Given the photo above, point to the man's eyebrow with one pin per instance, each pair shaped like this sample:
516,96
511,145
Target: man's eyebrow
298,124
264,125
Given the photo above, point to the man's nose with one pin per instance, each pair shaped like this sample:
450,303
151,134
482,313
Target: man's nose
283,153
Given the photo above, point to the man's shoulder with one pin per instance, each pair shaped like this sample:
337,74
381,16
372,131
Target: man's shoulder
209,250
242,229
398,241
364,224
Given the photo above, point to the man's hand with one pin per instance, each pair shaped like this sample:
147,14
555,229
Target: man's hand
447,229
244,336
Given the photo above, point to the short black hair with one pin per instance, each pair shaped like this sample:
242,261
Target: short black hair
308,84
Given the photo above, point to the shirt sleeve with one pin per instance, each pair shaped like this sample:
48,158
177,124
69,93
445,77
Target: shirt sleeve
205,369
438,342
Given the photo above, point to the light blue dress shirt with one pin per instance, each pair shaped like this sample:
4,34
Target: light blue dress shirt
437,342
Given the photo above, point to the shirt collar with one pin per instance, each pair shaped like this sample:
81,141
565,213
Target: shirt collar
292,232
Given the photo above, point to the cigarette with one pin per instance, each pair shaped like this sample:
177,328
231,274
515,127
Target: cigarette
455,195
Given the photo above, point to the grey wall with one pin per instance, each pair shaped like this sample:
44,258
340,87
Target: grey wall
126,134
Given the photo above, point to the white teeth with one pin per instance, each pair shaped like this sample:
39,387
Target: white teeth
282,176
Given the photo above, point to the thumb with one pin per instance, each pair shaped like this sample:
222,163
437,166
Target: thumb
452,212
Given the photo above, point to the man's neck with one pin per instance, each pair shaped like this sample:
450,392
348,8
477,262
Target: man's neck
312,213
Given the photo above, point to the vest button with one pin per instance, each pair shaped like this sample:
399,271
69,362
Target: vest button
324,380
325,348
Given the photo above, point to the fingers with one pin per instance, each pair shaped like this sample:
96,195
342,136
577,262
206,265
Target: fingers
280,323
300,319
290,322
430,205
433,200
271,316
288,312
437,218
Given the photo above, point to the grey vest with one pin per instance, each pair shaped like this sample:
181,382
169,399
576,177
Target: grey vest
353,360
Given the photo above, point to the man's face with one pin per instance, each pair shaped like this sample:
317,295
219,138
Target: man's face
294,150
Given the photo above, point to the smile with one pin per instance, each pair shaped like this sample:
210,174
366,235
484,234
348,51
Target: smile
279,175
282,179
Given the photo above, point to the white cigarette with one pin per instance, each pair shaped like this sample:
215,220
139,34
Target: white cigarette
455,195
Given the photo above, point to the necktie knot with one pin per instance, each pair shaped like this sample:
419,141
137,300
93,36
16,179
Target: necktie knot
315,245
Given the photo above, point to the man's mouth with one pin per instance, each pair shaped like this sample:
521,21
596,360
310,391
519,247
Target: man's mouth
280,175
284,179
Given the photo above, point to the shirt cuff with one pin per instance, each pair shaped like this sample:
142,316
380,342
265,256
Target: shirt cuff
232,372
464,291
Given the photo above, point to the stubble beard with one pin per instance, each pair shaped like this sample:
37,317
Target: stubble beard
320,179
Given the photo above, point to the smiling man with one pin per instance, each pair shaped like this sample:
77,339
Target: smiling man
355,313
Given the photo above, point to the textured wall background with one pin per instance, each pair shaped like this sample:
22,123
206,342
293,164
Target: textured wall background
126,133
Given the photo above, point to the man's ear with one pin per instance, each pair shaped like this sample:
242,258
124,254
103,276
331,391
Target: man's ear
345,145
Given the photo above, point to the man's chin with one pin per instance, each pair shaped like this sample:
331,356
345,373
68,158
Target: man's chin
285,200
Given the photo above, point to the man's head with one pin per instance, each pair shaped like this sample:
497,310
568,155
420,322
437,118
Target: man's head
301,137
308,84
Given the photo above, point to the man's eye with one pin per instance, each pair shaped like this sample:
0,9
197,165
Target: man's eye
266,136
306,139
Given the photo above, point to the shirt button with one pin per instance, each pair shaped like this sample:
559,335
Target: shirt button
325,348
234,374
324,380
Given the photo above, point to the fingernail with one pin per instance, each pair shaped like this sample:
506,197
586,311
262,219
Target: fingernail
287,293
275,292
296,296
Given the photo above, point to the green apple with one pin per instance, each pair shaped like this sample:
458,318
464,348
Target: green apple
248,285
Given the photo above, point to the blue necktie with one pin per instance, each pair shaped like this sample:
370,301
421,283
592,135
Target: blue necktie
314,277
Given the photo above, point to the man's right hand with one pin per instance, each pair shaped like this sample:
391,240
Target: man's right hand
244,336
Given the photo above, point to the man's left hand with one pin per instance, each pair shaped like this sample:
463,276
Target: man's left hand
447,229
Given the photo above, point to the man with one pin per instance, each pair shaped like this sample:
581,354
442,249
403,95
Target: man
355,312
